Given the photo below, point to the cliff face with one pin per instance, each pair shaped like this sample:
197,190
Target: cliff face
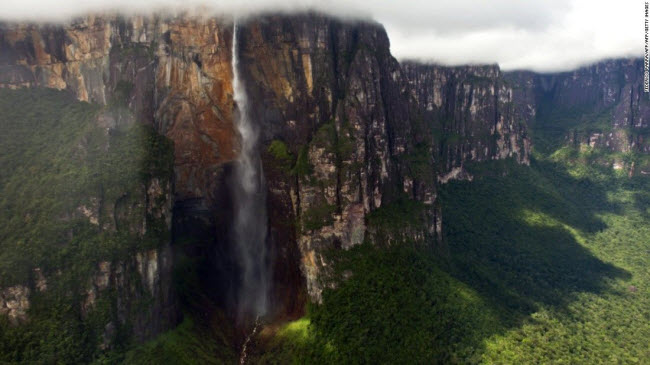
173,73
327,90
482,113
475,114
353,143
351,140
613,85
330,94
86,235
607,98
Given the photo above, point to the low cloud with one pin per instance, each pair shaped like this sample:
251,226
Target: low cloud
541,35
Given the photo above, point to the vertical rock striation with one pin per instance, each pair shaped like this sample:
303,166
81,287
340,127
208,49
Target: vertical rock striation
361,134
349,138
608,95
331,94
474,114
173,72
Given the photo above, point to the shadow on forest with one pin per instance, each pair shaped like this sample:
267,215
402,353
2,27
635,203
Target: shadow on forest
642,198
514,238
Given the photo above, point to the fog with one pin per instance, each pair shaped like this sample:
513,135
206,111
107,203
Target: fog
541,35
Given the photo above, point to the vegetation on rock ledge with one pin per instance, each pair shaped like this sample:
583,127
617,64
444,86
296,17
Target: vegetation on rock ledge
72,193
546,265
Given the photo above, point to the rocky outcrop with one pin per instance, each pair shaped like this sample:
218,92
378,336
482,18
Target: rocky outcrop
14,303
145,278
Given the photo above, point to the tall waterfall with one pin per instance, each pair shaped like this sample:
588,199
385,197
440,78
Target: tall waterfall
249,197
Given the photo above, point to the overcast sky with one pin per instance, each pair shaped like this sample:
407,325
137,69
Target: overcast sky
541,35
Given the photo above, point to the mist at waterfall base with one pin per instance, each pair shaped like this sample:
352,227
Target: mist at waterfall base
249,202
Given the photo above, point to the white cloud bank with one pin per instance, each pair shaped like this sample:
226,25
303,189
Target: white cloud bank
541,35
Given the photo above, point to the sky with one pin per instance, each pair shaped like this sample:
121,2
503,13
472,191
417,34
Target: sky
538,35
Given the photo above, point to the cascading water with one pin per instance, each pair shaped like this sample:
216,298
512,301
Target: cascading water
249,197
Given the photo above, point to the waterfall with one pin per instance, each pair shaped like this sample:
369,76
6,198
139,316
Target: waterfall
249,198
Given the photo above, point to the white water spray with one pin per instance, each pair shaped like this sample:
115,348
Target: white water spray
249,196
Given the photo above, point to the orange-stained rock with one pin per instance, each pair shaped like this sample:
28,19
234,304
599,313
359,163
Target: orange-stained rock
174,72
